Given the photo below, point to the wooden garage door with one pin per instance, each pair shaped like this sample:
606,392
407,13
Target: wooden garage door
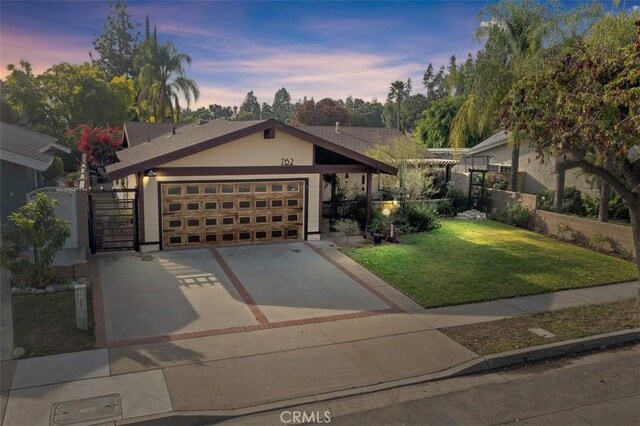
216,213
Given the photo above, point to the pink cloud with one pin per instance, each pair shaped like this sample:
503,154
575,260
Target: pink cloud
39,50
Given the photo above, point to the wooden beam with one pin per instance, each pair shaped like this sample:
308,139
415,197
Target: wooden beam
368,217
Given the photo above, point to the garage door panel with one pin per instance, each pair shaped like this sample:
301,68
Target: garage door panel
207,213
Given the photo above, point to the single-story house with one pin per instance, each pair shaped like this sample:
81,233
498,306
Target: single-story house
24,155
135,132
535,174
222,182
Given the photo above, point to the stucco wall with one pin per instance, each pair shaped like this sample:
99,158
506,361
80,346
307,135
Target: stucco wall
151,213
252,150
16,181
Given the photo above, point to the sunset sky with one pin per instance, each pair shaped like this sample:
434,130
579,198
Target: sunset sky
314,49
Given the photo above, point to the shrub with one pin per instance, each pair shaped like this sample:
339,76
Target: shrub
33,227
459,201
349,227
421,218
72,178
572,202
379,226
598,240
564,231
497,181
520,215
445,207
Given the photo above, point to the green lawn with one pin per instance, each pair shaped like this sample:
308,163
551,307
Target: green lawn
467,261
45,324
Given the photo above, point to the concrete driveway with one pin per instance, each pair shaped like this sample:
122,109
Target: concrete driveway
193,293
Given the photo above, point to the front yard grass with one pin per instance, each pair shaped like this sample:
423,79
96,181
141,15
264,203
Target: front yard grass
473,261
45,324
571,323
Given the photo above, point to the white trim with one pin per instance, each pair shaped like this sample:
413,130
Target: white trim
25,161
57,146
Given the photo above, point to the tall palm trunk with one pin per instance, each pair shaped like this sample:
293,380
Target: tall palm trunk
398,114
515,163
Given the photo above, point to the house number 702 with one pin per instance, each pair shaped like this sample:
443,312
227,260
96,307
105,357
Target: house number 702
287,162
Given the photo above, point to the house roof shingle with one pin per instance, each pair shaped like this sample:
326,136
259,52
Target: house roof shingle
358,139
189,138
136,132
26,147
498,138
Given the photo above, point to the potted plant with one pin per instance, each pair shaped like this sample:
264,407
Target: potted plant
378,228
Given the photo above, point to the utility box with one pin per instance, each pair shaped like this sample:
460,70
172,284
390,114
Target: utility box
82,322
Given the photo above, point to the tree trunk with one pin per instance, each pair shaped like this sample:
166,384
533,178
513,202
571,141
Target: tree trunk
515,163
605,195
559,193
398,114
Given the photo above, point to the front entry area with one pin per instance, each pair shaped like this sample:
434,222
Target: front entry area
221,213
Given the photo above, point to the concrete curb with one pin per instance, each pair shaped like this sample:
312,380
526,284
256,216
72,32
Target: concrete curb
478,365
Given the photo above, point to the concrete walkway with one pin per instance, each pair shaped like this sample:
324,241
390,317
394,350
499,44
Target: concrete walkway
264,367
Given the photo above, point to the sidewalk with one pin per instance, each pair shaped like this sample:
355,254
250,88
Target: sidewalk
245,370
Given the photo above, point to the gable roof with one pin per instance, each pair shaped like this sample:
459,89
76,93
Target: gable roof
194,138
358,139
497,139
28,148
135,132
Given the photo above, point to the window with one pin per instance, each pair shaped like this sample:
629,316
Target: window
244,187
292,203
260,187
276,219
227,220
260,235
244,235
227,204
193,206
276,187
261,219
293,187
362,180
193,189
174,190
227,189
276,234
210,189
210,205
261,204
210,221
292,217
175,240
193,238
175,224
193,222
276,203
244,204
210,238
227,237
244,219
175,207
292,232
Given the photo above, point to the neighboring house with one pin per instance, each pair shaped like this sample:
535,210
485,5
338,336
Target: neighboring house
24,155
535,174
224,182
135,133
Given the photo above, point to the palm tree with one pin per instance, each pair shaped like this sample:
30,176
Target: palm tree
162,80
514,32
398,91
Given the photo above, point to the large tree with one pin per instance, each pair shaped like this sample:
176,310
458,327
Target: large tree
514,33
583,107
117,45
282,108
398,91
364,113
325,112
250,108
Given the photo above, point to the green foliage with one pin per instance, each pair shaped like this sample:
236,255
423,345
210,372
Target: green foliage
520,215
282,108
349,227
563,230
364,114
72,178
250,108
421,218
379,226
117,45
497,181
572,201
435,125
459,201
325,112
54,171
34,227
599,241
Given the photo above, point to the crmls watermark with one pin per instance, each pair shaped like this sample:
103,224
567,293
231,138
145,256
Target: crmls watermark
301,417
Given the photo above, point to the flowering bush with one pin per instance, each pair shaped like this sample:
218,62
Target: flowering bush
98,144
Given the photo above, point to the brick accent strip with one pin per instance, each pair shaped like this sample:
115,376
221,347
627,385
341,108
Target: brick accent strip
243,329
244,294
353,276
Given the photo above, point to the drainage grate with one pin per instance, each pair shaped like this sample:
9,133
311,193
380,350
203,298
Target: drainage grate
85,410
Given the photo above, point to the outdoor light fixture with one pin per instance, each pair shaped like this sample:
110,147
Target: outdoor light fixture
386,212
151,173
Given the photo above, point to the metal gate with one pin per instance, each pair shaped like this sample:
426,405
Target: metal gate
113,220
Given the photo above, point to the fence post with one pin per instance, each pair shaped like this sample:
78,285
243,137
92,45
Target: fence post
82,322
